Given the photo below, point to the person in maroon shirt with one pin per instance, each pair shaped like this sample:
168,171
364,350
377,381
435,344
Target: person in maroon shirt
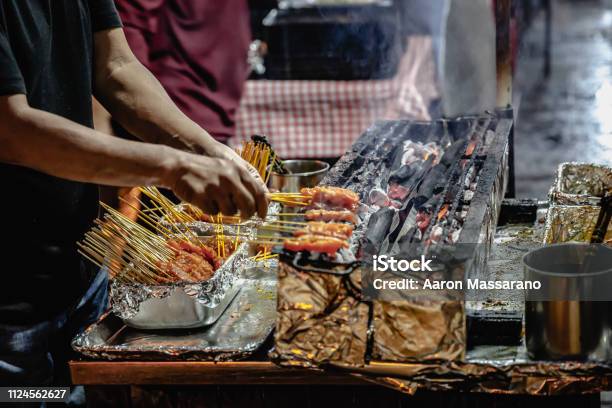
197,50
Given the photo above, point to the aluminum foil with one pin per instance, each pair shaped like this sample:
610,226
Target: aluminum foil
237,334
410,331
322,320
572,224
127,299
319,320
493,370
581,184
205,228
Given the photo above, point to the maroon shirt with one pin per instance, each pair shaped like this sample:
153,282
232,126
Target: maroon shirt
198,50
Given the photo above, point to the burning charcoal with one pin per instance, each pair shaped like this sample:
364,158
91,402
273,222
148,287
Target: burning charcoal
423,218
405,243
430,204
419,202
402,174
378,197
419,176
356,164
378,226
434,181
436,233
397,192
453,152
394,160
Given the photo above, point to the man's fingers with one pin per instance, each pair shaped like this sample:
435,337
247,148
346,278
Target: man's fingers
226,205
258,191
244,200
209,207
253,171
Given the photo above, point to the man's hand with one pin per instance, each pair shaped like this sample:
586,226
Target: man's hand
222,151
218,185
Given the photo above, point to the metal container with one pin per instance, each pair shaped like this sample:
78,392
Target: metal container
572,223
581,184
240,330
179,311
304,173
568,317
179,306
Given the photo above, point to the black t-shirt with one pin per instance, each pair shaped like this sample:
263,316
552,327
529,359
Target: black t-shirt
46,53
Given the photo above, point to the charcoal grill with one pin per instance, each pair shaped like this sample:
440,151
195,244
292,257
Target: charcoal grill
457,193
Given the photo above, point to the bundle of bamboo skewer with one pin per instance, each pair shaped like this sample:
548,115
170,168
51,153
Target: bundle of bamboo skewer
130,252
260,156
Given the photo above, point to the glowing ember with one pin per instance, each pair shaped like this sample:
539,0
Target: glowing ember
443,212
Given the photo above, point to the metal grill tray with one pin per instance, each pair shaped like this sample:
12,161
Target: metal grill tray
239,332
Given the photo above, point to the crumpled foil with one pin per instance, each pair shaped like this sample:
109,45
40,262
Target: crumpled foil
581,184
322,320
127,298
544,378
419,331
206,228
572,224
319,319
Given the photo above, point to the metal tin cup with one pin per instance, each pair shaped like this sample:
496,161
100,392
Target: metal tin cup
304,173
568,317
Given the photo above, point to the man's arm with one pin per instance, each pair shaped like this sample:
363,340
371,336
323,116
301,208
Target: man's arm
55,145
136,99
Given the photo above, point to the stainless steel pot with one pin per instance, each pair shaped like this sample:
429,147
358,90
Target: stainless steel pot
569,317
304,173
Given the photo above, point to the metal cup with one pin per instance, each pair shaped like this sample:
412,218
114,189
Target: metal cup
568,318
304,173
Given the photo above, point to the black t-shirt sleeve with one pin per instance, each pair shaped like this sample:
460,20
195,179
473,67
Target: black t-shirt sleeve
103,15
11,81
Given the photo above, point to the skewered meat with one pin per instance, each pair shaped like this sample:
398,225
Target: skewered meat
188,267
202,250
315,243
331,197
328,215
335,230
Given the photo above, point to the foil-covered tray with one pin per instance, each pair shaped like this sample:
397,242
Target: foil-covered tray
206,228
573,223
238,333
581,184
180,305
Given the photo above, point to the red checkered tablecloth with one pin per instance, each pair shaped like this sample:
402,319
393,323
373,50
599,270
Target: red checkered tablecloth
323,118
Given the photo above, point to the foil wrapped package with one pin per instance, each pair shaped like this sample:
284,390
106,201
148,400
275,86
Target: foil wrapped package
581,184
180,305
407,331
572,224
320,319
323,320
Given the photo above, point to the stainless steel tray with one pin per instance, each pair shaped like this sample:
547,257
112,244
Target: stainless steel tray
182,305
179,311
240,330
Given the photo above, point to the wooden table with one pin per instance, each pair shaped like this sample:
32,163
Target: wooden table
262,384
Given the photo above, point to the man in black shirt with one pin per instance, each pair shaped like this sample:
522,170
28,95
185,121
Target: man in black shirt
54,55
